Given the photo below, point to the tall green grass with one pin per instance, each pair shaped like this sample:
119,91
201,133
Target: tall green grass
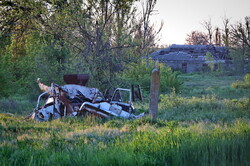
122,142
210,84
199,128
207,107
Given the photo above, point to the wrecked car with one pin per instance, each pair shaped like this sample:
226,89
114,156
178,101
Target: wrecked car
75,99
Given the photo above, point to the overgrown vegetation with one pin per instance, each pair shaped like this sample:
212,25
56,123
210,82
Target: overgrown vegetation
242,84
205,129
210,60
213,83
116,142
204,118
208,108
48,39
140,73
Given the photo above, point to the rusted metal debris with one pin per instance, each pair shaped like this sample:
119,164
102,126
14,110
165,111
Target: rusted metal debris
78,100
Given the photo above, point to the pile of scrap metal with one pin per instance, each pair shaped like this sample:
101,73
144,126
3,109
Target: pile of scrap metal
74,99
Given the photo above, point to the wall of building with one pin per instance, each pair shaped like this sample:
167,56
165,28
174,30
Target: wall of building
185,66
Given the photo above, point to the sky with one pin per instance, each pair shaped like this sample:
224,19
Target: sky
180,17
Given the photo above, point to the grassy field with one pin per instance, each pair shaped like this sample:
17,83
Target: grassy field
207,124
207,84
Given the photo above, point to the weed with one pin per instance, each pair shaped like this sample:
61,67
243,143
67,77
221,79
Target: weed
242,84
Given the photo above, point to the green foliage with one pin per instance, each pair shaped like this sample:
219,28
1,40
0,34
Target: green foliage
210,60
5,73
140,73
242,84
50,38
39,58
3,81
238,59
247,78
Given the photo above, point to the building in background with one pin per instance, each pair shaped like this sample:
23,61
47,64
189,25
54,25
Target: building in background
191,58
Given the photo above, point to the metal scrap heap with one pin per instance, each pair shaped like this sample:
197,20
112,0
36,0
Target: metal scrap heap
78,100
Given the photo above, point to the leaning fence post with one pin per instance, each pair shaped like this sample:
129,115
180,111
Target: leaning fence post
154,93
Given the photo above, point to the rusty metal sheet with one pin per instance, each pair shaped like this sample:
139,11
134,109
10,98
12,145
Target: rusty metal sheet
78,79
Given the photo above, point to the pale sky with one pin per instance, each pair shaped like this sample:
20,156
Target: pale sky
180,17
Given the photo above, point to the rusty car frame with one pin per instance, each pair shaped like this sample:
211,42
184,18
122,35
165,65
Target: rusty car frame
75,99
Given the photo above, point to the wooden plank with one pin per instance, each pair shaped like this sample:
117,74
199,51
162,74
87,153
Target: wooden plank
154,93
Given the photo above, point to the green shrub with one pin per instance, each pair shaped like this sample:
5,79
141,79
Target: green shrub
140,73
210,61
247,78
242,84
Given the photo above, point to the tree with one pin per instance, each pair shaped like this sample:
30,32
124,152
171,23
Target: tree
217,37
240,33
226,33
208,26
197,38
146,31
100,36
240,42
238,59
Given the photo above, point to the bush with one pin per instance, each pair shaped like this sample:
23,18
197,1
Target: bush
140,73
247,78
38,57
242,84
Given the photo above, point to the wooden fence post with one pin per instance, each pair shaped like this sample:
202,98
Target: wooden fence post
154,93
